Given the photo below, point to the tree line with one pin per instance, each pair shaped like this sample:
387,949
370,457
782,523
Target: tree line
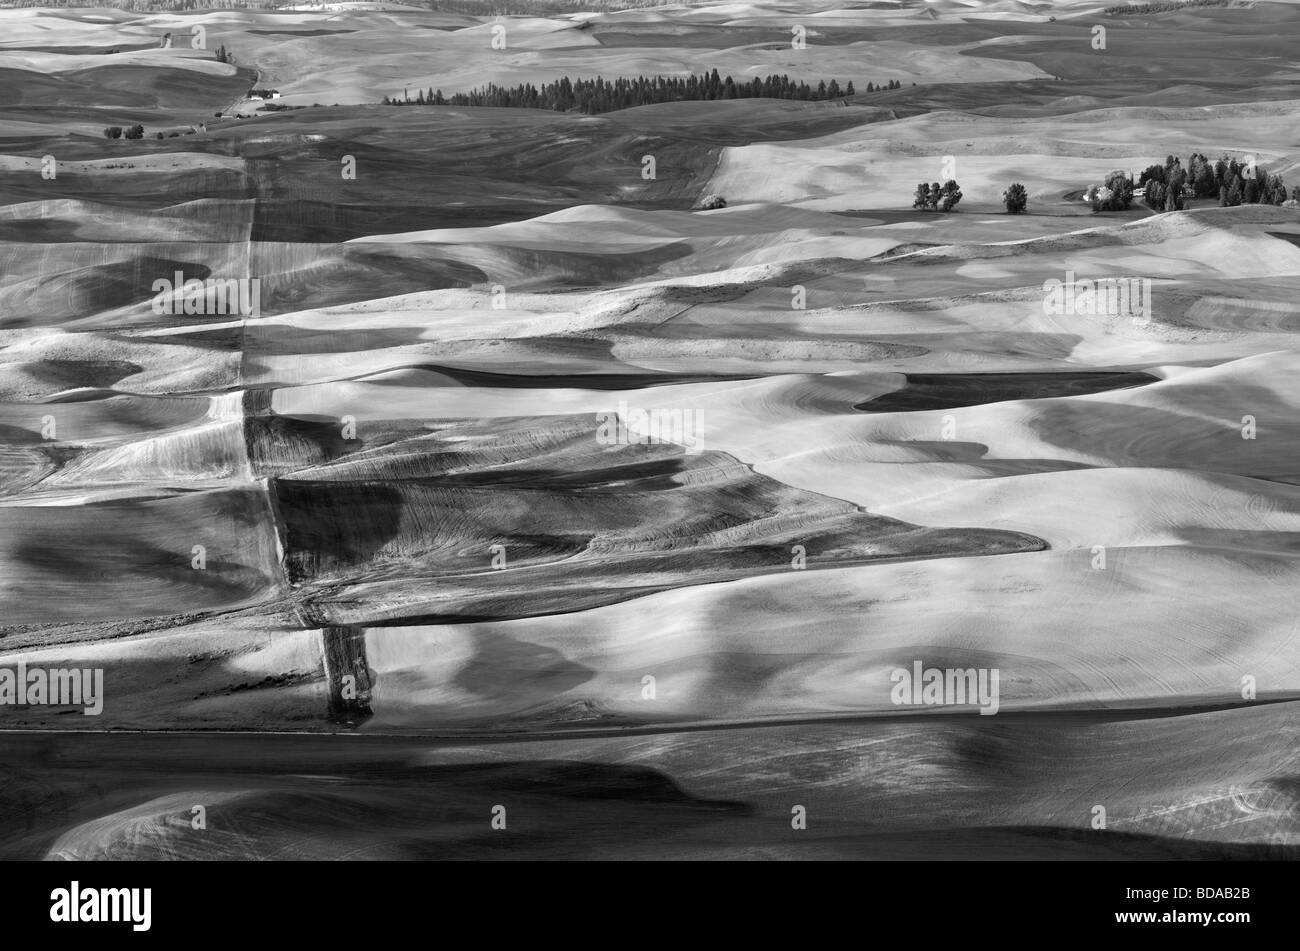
151,6
592,96
137,132
936,197
1165,6
1166,187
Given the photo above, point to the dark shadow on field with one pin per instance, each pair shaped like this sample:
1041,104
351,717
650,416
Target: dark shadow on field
23,435
529,673
1242,48
1285,236
85,50
91,576
75,292
38,231
325,531
1135,435
353,272
82,373
220,339
278,444
581,381
931,391
587,579
281,797
116,94
419,167
297,33
1006,347
408,529
336,810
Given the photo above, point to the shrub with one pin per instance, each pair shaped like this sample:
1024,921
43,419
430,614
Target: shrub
950,196
1115,195
711,202
1016,198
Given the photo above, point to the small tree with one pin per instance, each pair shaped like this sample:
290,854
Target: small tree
922,197
1234,192
1173,198
1121,191
1152,173
1115,195
1203,183
951,195
113,132
1154,196
1016,199
135,132
936,191
1177,179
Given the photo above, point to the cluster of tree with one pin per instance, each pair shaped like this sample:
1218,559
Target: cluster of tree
1165,6
936,197
137,132
1167,187
1115,194
151,6
223,55
535,8
591,96
261,93
1016,198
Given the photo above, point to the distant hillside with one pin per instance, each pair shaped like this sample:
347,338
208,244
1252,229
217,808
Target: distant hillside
1166,6
469,7
592,97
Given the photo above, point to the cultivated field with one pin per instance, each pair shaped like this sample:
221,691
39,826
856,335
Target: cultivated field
568,494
